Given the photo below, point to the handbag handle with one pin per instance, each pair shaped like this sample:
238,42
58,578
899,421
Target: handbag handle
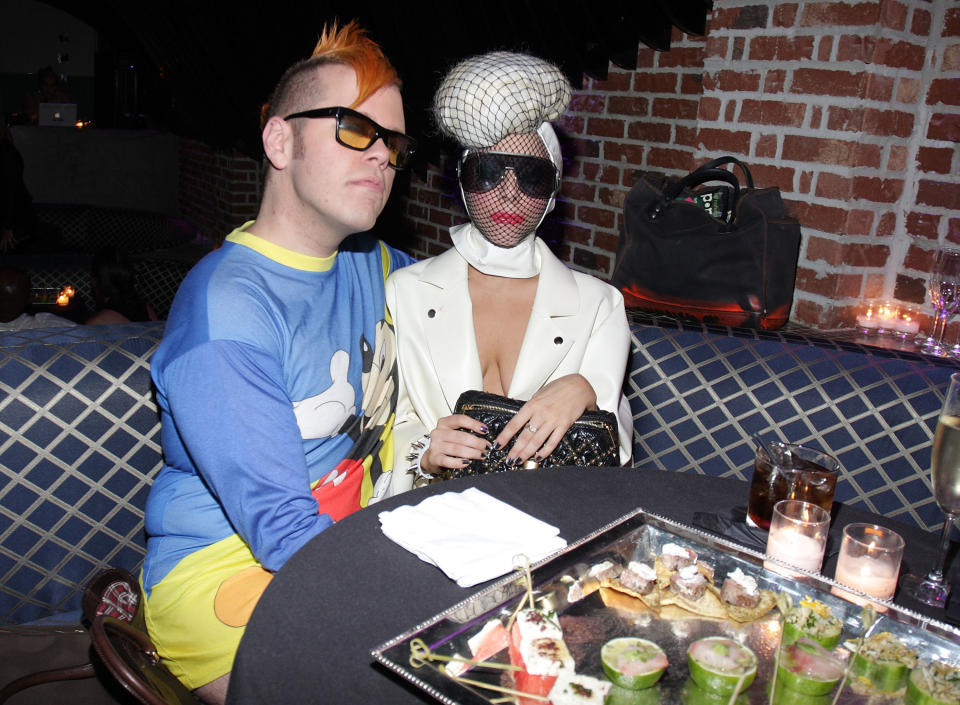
728,159
702,174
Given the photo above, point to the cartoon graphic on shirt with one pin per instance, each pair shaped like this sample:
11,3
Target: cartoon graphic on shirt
349,486
322,415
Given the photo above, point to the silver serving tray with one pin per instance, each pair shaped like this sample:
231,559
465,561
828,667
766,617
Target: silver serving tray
588,623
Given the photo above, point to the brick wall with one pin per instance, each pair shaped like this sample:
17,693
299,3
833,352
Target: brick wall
851,108
219,190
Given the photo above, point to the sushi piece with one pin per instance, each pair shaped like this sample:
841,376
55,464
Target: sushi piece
721,665
806,667
537,647
573,689
633,663
813,619
883,662
934,684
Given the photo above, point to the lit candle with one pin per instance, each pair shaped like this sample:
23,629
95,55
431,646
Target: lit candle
870,560
790,546
69,291
63,299
907,324
867,320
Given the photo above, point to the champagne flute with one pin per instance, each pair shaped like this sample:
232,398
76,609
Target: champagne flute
944,288
933,590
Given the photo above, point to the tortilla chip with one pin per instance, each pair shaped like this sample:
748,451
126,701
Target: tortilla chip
622,600
709,604
650,600
748,614
663,573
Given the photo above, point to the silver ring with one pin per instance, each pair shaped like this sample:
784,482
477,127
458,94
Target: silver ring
531,428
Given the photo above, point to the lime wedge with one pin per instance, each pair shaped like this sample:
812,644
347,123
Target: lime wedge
633,663
721,665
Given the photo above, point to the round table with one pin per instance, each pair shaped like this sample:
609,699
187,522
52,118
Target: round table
351,588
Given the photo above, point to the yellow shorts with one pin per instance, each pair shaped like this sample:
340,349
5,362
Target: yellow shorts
197,613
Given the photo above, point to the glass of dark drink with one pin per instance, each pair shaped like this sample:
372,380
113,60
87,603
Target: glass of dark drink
788,471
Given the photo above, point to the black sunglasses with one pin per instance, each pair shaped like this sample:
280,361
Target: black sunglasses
359,132
480,172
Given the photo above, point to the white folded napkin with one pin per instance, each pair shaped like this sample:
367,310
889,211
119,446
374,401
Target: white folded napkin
469,535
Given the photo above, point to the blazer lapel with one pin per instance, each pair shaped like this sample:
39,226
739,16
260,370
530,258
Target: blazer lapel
444,299
551,330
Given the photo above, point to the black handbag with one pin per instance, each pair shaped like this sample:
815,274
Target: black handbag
724,254
593,439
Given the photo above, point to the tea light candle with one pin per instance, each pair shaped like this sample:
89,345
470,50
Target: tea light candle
868,320
870,559
69,291
798,535
63,299
906,324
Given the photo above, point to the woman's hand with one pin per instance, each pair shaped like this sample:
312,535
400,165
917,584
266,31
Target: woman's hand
542,421
451,446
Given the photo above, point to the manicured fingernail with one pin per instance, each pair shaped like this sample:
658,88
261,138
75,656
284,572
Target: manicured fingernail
483,428
467,461
495,446
489,447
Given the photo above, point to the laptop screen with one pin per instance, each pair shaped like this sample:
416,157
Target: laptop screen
57,114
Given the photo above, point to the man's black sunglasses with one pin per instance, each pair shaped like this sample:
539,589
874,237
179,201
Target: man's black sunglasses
357,131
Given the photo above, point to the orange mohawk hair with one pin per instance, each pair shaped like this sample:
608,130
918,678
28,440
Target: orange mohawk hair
348,45
351,46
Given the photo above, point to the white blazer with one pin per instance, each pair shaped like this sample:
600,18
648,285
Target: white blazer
577,324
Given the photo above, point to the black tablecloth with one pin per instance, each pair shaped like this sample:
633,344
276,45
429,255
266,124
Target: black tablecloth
351,588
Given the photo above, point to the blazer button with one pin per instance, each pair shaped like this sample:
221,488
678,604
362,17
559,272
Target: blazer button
431,313
558,340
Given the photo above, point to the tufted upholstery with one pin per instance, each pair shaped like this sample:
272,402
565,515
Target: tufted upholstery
697,392
79,444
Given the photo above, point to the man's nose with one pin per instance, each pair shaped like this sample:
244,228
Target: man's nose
379,152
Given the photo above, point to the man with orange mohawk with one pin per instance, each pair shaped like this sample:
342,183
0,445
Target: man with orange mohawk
276,375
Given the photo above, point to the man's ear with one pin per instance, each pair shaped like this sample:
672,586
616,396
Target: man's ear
278,142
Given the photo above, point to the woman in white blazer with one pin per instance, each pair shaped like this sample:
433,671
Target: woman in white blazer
498,311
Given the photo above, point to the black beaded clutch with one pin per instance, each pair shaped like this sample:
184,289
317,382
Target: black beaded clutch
592,440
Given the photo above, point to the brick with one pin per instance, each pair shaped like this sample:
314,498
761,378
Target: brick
765,175
579,235
939,193
613,197
816,117
596,216
766,147
937,160
834,186
951,58
818,283
591,260
827,14
887,224
908,90
680,57
829,151
750,17
577,191
617,152
674,109
953,229
585,148
784,14
897,159
709,109
727,80
586,103
921,23
919,258
806,181
910,289
859,222
623,105
730,112
903,55
781,48
878,190
879,87
649,82
615,81
772,112
601,173
606,127
664,158
951,23
855,47
739,43
806,311
944,127
893,15
685,136
824,48
572,124
716,47
691,84
923,225
888,123
645,58
827,82
646,131
715,140
606,241
817,217
944,90
441,217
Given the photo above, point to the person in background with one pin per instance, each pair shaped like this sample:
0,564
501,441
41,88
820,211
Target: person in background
499,312
15,300
113,284
276,375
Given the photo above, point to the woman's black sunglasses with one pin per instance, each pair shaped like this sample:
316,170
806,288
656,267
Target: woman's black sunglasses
357,131
483,171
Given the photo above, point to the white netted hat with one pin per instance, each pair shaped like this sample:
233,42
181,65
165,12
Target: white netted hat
484,98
